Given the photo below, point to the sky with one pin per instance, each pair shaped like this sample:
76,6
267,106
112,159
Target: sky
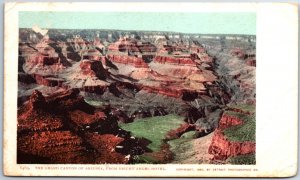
202,23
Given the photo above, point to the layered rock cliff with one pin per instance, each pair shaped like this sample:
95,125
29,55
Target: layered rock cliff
76,87
234,136
128,60
62,128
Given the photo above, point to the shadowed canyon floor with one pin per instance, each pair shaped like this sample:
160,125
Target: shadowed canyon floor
109,96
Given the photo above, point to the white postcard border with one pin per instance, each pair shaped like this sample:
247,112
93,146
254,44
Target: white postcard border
277,93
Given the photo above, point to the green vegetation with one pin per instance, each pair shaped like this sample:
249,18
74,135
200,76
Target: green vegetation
94,103
184,139
182,144
242,159
155,128
243,132
239,115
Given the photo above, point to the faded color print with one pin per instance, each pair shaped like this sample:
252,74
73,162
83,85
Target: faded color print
115,88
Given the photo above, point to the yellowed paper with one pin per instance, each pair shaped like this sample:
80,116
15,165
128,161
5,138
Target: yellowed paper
89,89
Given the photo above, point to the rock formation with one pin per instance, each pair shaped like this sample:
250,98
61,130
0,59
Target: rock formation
222,147
76,87
62,128
128,60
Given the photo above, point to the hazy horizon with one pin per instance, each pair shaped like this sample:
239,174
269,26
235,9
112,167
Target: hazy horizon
148,31
188,23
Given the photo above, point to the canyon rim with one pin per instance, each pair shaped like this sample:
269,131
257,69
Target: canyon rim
133,94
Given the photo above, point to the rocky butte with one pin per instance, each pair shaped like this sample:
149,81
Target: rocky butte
111,96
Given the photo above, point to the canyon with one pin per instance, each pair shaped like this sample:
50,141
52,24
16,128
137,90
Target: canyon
89,96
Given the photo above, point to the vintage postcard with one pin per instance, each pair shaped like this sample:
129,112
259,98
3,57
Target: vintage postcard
150,89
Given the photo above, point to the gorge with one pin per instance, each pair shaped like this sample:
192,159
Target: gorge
127,97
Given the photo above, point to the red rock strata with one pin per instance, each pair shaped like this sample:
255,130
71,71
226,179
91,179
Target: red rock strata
222,148
53,147
62,128
44,59
174,61
163,91
128,60
93,68
48,80
92,54
126,44
29,119
228,121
